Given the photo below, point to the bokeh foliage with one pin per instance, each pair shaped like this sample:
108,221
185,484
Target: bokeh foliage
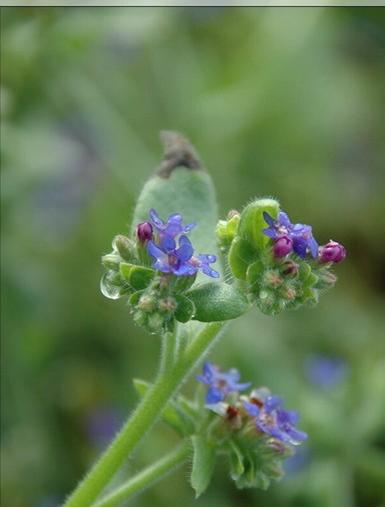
282,102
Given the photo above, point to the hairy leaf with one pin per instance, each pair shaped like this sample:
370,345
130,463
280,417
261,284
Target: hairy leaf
217,301
203,464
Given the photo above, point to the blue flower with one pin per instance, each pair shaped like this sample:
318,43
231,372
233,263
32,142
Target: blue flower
271,418
220,383
173,227
325,372
172,251
172,258
204,261
300,234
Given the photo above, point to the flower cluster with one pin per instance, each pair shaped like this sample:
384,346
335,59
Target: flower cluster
254,428
156,271
279,263
264,409
172,250
298,238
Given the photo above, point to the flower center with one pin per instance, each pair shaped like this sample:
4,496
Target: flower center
172,260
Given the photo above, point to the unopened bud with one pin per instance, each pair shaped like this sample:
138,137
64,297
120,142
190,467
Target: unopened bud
167,305
144,232
272,279
282,246
332,252
233,213
125,247
147,303
290,269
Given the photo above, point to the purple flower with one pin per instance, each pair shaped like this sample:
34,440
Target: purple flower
332,252
325,372
220,383
300,234
271,418
172,251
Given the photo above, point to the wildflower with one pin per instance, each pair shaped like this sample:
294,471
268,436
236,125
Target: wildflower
172,251
170,258
144,232
220,383
300,234
271,418
332,252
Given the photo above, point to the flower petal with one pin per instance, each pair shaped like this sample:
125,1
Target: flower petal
251,409
185,250
155,219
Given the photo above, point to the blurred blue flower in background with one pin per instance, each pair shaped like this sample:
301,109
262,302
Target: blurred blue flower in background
102,424
324,371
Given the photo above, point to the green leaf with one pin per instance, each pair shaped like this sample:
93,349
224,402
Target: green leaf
203,464
182,186
175,413
185,309
217,301
125,269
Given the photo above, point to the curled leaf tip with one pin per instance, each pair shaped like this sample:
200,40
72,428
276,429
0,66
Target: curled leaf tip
178,151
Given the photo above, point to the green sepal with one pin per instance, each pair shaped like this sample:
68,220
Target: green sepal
204,456
241,255
185,309
125,269
254,272
138,277
175,413
217,301
237,468
182,283
134,299
252,222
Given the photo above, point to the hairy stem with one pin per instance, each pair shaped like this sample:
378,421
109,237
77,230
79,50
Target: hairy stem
168,352
147,477
143,418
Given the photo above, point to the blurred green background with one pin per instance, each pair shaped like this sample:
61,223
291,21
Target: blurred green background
282,102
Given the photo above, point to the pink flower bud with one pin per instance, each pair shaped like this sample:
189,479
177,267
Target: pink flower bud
144,232
282,246
332,252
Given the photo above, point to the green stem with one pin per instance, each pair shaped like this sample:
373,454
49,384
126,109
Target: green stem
148,476
168,352
143,418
